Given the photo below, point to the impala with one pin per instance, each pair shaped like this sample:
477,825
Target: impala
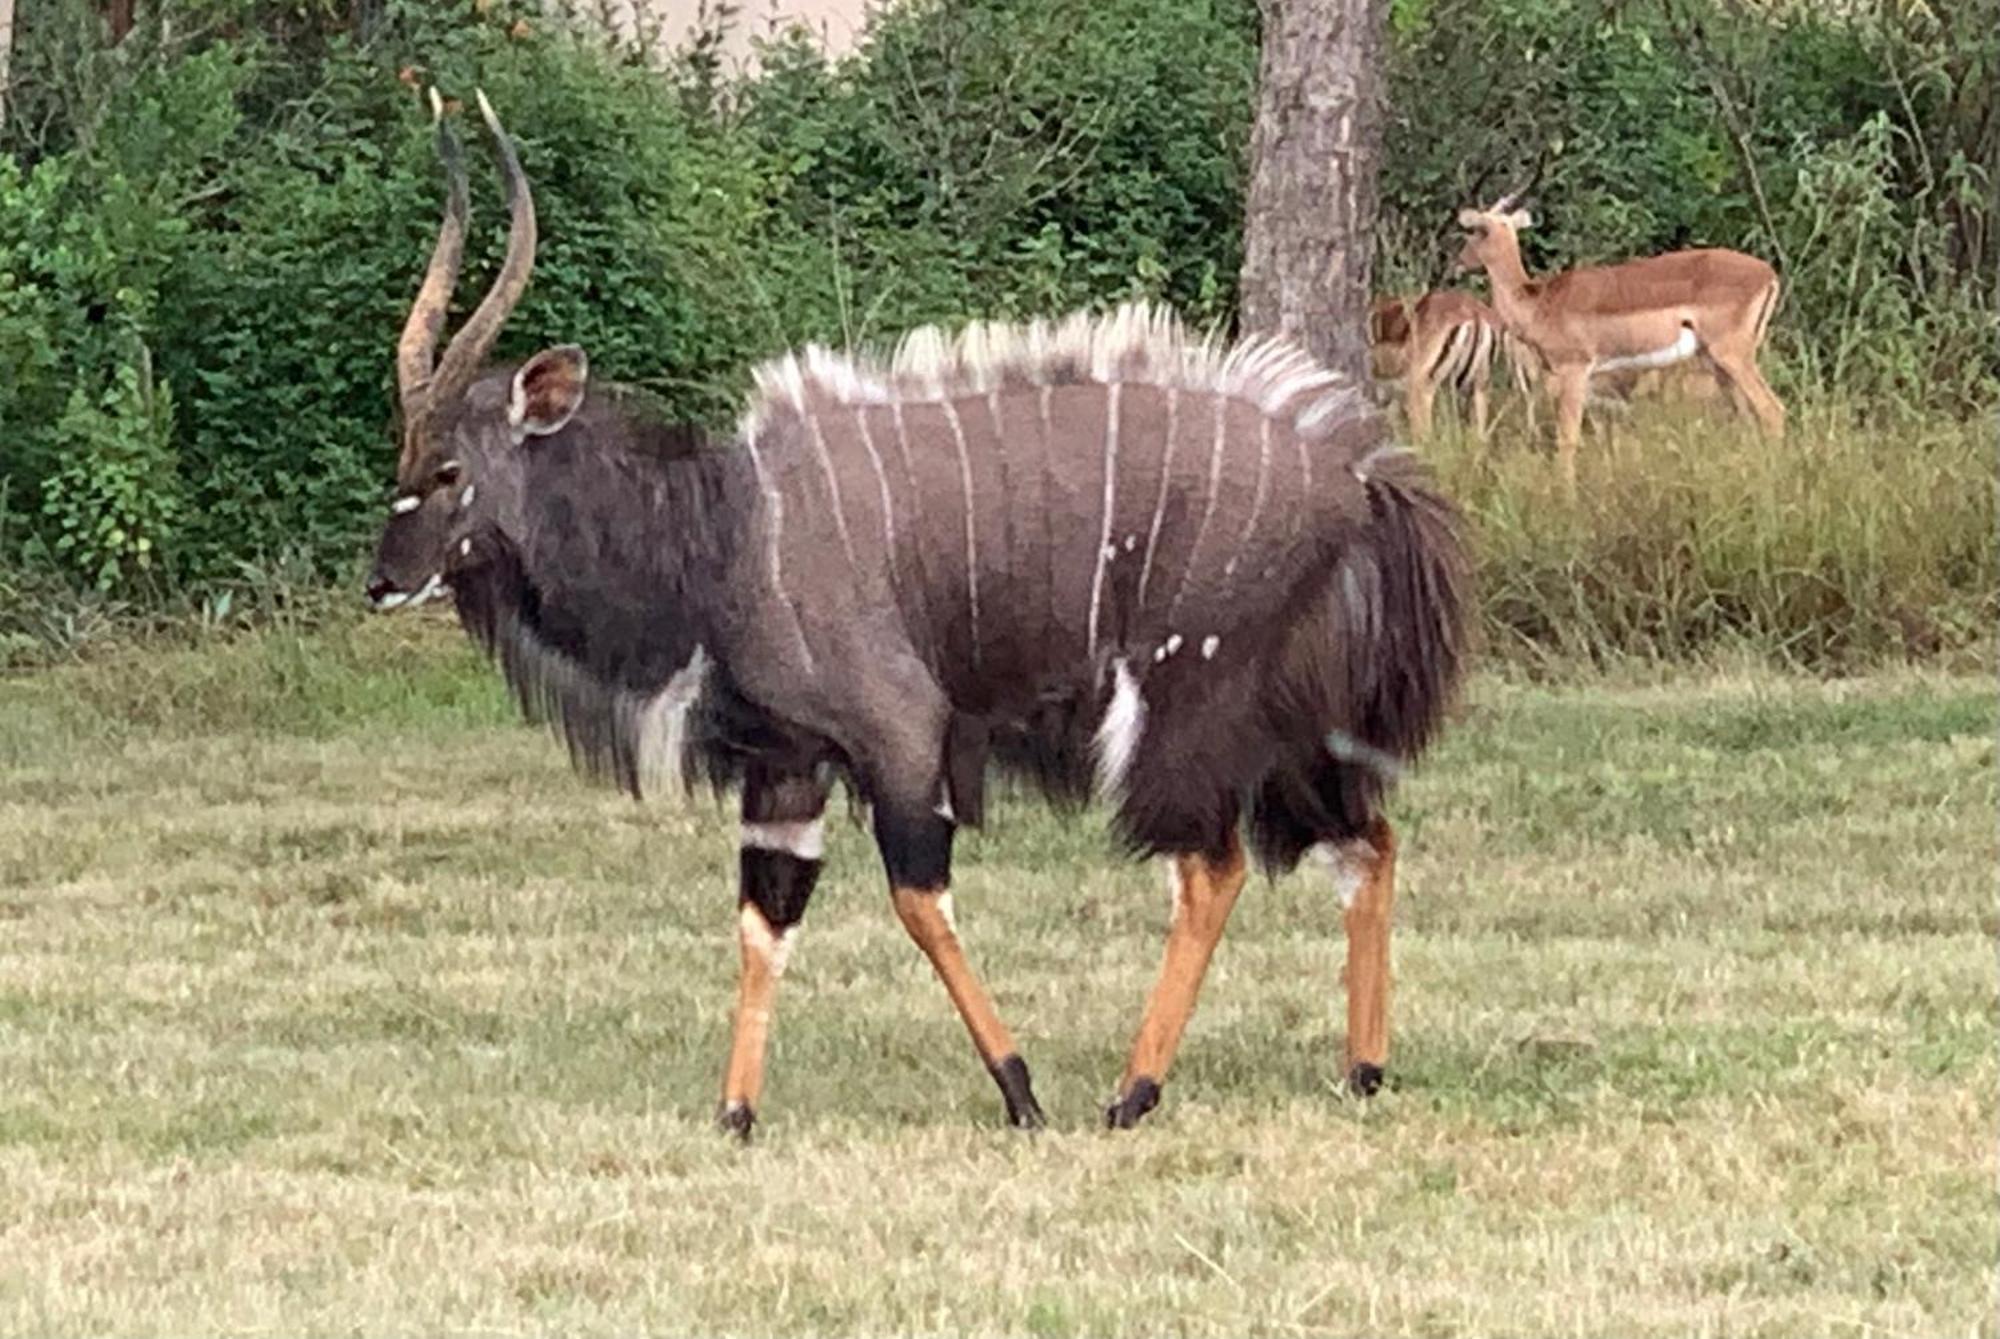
1445,338
1647,313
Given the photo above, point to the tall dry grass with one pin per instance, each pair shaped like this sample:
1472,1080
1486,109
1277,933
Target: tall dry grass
1688,537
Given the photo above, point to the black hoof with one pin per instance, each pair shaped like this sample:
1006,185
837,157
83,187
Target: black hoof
1023,1111
736,1118
1141,1097
1364,1080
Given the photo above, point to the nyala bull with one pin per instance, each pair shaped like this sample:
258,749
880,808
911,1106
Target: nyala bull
1190,580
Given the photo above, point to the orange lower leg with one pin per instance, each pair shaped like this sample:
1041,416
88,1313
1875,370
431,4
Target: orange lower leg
1204,893
756,993
1368,977
926,914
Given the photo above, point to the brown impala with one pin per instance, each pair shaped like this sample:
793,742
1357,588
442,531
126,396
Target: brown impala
1647,313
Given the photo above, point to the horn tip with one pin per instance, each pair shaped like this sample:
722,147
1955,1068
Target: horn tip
437,104
486,110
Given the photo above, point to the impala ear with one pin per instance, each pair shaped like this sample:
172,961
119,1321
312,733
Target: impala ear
1521,219
1471,220
548,390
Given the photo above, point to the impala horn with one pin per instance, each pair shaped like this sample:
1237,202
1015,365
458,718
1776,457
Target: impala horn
1506,203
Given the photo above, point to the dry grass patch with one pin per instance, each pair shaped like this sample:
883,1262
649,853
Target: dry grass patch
374,1018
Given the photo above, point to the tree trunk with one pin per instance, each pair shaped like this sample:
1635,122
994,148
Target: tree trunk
118,17
6,55
1309,222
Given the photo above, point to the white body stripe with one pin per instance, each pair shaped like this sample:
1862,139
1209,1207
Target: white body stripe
1256,498
1208,507
1682,348
916,546
806,840
881,478
1118,733
1305,460
971,533
1105,549
777,505
1160,502
833,489
1049,545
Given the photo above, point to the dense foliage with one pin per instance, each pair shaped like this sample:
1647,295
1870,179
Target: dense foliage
209,230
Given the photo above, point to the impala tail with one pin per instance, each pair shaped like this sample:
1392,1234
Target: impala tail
1374,668
1767,307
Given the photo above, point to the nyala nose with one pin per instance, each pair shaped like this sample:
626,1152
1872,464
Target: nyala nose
380,588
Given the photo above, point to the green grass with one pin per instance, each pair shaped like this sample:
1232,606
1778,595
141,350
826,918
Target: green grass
330,1001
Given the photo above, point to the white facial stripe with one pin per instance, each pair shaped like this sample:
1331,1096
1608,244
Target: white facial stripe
433,585
806,841
391,600
465,498
405,504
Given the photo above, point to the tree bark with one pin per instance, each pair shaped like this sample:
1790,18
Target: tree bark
1308,235
118,18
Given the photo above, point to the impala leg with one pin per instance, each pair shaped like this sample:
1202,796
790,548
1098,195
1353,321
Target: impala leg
917,852
1205,889
778,866
1417,396
1740,367
1571,386
1365,872
1481,372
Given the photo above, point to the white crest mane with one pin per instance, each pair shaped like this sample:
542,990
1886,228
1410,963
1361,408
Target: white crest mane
1139,343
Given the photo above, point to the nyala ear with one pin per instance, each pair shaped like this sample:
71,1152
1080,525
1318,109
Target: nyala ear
1471,220
548,390
1521,220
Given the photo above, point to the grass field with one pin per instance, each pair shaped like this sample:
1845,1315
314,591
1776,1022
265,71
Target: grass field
330,1002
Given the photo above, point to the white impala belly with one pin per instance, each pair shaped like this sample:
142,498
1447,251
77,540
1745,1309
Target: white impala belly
1680,350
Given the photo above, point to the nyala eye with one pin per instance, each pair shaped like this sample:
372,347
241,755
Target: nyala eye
447,474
